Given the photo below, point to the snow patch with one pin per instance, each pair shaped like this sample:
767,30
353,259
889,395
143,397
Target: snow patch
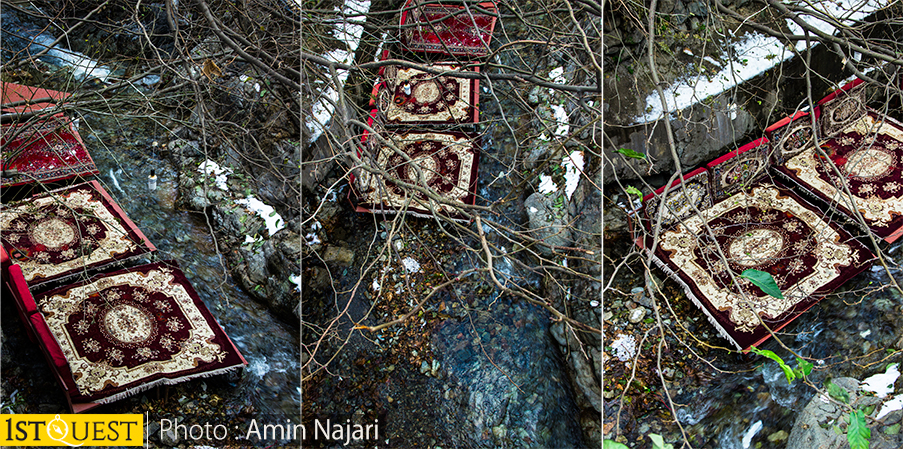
573,167
350,33
751,57
273,219
546,185
411,265
624,347
890,406
882,384
753,430
561,117
220,174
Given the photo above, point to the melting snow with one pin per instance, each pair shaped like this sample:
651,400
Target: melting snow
350,34
211,168
411,265
273,219
295,280
624,347
892,405
573,167
882,384
561,116
546,185
753,430
750,57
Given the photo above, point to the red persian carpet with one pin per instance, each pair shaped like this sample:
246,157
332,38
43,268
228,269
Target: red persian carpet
44,151
865,155
62,233
411,96
453,30
767,228
20,98
121,333
447,161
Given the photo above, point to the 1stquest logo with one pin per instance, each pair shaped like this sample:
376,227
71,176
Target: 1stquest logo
72,430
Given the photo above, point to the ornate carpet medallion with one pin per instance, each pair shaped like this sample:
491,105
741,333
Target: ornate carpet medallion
61,233
124,332
869,159
767,228
454,30
45,151
410,96
441,164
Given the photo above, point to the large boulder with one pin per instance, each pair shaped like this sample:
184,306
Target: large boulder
815,426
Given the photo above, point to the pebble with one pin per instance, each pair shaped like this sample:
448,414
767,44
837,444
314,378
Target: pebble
608,316
637,290
339,255
645,301
778,436
668,373
637,315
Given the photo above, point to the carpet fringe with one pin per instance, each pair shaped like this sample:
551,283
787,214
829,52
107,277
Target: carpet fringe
165,381
664,267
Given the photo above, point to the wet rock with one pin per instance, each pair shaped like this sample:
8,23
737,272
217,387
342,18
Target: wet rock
814,427
339,255
547,222
183,151
534,405
778,436
698,9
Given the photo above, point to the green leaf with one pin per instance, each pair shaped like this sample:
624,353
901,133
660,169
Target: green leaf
630,153
771,355
764,281
803,367
858,433
838,393
658,442
634,191
609,444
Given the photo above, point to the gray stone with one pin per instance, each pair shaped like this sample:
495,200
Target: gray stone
698,9
645,301
547,222
185,149
814,427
